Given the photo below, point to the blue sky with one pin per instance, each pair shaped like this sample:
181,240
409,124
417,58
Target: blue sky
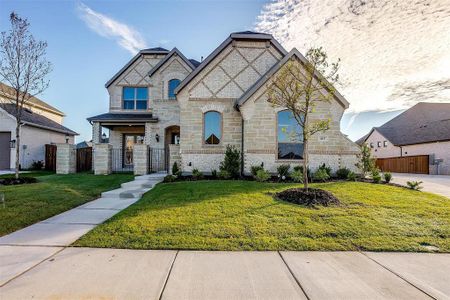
89,41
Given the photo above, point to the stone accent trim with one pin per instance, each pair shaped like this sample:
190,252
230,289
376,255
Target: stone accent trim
102,159
66,159
205,151
140,159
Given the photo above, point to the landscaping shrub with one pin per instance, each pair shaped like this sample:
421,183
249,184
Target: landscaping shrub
224,174
387,177
297,176
376,177
196,174
415,185
310,198
342,173
300,168
14,181
262,175
283,171
326,169
232,161
255,169
169,178
321,175
37,165
351,176
213,174
175,170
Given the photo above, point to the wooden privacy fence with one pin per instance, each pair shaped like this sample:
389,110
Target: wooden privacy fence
84,159
418,164
50,157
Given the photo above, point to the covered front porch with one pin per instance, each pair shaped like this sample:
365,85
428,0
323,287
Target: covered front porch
128,134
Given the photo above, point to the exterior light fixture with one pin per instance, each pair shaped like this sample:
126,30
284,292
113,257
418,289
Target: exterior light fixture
103,137
157,138
12,144
67,138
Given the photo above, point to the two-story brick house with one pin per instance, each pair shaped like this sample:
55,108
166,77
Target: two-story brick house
162,99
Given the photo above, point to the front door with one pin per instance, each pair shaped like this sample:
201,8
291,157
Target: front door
129,140
5,151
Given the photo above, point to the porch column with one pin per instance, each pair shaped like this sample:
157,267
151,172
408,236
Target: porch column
102,159
96,133
66,159
148,133
140,159
174,156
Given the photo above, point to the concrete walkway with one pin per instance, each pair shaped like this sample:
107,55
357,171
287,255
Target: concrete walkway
27,247
438,184
82,273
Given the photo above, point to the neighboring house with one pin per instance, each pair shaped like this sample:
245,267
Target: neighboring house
84,144
164,100
424,129
42,124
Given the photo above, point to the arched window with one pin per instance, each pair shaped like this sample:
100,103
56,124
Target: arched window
212,128
290,136
173,84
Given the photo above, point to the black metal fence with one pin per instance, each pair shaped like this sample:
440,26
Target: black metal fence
122,160
158,159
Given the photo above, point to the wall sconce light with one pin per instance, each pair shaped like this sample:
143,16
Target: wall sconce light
103,137
190,164
67,138
157,138
12,144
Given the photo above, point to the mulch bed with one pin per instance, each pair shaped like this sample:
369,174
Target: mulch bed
14,181
311,197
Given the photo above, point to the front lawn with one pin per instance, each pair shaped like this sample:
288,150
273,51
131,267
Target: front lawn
30,203
242,215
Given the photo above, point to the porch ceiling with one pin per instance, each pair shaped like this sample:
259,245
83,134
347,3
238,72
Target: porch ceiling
124,118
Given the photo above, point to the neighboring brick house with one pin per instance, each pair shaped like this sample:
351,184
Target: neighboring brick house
41,124
424,129
165,100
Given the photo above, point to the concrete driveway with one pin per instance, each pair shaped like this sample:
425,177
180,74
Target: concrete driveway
88,273
438,184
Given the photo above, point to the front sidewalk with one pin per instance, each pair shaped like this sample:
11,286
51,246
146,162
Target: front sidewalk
79,273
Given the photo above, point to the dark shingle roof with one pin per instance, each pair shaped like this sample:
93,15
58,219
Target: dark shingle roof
36,120
194,62
124,117
422,123
156,49
173,52
9,92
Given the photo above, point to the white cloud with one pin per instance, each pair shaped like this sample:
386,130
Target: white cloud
394,52
123,34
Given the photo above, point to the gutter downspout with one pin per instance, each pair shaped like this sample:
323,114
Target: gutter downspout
401,151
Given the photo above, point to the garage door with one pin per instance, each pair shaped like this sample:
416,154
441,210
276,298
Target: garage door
5,151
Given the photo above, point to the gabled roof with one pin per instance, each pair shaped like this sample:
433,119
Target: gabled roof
157,50
173,52
9,92
37,120
422,123
258,84
243,35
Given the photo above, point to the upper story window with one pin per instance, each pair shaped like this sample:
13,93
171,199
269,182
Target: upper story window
212,128
173,84
135,97
385,143
371,145
379,144
290,136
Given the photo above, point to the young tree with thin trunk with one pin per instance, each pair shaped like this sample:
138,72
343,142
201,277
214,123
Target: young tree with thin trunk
24,68
299,86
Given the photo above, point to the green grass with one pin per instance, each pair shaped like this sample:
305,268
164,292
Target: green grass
29,203
243,215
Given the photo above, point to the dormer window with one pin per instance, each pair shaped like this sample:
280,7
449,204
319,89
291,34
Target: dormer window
173,84
135,98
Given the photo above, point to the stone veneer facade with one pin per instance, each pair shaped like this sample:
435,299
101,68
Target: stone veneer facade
216,86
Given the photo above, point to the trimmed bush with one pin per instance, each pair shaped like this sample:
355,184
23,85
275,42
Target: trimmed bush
415,185
196,174
387,177
351,176
232,161
169,178
321,175
255,169
297,176
342,173
376,177
262,175
283,171
224,174
326,169
37,165
214,174
175,170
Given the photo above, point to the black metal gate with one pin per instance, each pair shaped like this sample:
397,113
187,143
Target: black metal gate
121,160
158,159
